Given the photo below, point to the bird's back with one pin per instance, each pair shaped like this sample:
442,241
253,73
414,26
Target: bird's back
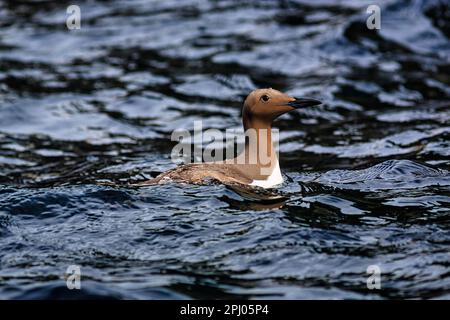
200,173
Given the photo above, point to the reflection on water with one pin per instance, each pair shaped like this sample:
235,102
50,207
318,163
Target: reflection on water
367,178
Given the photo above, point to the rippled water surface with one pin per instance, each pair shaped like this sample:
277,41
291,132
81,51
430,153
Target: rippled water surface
367,180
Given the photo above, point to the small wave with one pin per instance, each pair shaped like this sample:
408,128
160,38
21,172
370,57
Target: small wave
390,174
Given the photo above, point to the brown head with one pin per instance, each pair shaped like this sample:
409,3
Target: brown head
262,106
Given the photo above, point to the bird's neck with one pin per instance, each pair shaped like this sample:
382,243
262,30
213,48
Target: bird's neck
259,149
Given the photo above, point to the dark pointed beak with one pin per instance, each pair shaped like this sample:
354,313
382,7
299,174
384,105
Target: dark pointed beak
303,102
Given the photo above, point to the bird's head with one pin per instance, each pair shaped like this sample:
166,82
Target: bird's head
265,105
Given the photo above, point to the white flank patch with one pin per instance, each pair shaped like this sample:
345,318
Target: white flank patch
274,179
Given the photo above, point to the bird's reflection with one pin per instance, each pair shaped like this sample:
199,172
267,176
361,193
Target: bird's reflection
254,198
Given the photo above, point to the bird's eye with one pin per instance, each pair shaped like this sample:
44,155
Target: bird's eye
265,98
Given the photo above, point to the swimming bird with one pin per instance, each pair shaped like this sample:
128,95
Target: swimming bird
258,164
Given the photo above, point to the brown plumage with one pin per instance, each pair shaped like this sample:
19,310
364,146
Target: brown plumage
260,108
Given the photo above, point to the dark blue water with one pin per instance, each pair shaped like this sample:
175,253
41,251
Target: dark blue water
85,112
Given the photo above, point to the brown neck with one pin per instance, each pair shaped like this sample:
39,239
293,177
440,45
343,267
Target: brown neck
259,148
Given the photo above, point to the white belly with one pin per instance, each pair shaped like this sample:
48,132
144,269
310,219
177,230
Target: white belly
273,180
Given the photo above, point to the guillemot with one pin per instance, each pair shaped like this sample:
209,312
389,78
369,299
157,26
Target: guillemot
260,108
